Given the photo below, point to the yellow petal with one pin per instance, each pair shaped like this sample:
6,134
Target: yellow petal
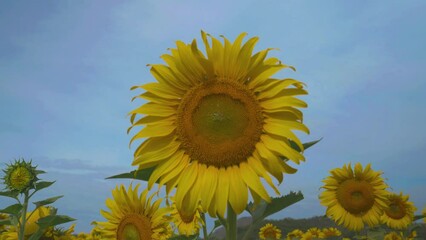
154,130
252,180
222,195
238,194
280,102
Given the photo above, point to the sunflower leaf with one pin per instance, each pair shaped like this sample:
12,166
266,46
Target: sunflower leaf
417,217
143,174
43,184
47,201
278,204
11,194
53,220
12,209
4,222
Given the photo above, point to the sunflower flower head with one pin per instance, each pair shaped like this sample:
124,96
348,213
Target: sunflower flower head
187,223
134,217
394,236
399,212
217,122
316,232
331,232
269,231
20,176
295,234
354,197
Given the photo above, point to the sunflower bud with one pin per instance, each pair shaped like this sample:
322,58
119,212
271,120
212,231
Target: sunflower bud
20,176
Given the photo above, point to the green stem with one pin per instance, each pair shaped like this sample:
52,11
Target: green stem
203,216
23,217
231,219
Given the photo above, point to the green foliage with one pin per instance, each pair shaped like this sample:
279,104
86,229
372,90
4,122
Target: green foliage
10,193
14,209
46,201
142,174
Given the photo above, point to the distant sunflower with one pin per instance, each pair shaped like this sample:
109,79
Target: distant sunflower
330,232
394,236
295,234
354,197
316,232
216,124
399,213
133,217
269,231
187,223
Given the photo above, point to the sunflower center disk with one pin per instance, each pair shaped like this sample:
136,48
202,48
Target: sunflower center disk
395,211
219,123
134,227
20,177
357,197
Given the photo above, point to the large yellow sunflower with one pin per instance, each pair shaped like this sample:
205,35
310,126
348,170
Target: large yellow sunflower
133,217
399,213
354,197
217,123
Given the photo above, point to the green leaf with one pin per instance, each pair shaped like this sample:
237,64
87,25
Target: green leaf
417,217
143,174
53,220
39,172
278,204
43,184
11,194
47,201
256,211
4,222
12,209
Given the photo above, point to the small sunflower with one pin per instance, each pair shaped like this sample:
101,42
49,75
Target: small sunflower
269,231
354,197
394,236
316,232
330,232
307,236
217,123
187,223
31,226
20,176
399,213
412,236
295,234
3,216
133,217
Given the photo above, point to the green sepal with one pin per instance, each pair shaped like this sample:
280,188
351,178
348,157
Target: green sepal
42,184
305,145
142,174
12,209
47,201
11,194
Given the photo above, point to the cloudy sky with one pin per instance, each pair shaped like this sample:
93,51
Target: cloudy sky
66,68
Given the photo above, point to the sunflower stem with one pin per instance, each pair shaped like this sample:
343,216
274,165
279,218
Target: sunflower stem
23,217
231,219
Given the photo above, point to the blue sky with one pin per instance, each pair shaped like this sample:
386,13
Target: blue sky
66,68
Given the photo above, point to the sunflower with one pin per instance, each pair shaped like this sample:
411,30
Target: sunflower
330,232
393,236
399,213
269,231
295,234
133,217
316,232
354,197
11,233
217,123
187,223
20,176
